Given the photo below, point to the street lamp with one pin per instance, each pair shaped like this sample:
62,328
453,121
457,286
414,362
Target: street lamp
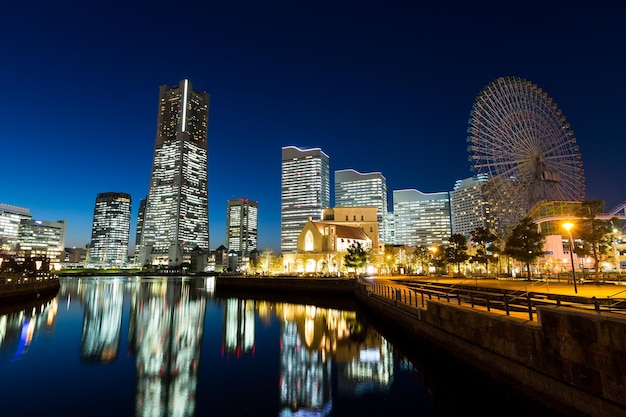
568,226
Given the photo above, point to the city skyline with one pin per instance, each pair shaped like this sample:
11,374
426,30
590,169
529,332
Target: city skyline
379,89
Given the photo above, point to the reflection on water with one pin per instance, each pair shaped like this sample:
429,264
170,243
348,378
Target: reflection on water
18,327
318,347
169,347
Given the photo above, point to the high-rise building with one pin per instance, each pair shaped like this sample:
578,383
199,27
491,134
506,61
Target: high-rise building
468,208
421,218
242,226
141,214
10,219
177,215
355,189
40,238
110,230
305,191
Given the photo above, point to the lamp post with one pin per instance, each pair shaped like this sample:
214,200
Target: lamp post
568,226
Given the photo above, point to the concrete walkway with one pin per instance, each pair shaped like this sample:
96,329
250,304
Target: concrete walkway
587,289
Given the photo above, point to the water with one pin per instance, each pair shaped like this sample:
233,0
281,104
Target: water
130,346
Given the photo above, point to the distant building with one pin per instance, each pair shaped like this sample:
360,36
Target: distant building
75,257
468,208
110,231
305,191
177,215
10,220
242,229
421,218
355,189
390,229
141,213
39,238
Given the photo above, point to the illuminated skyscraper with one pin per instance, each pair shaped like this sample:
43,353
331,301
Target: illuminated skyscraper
468,207
110,230
10,219
305,191
421,218
177,214
242,226
355,189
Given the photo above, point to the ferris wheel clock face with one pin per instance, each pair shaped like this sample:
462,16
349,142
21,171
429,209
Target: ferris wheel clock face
521,143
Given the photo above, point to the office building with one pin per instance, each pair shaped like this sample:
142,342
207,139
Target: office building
177,216
10,219
421,218
468,208
141,214
305,191
110,231
242,228
355,189
40,238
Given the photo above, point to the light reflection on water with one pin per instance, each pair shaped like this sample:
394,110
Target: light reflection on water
130,346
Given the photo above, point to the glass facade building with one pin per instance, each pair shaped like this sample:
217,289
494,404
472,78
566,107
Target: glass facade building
355,189
176,217
242,225
110,230
42,238
468,207
305,191
421,218
10,219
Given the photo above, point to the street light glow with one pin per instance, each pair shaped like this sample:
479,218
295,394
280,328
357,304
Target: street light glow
568,226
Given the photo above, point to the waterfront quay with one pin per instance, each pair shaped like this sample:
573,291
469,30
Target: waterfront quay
17,288
562,347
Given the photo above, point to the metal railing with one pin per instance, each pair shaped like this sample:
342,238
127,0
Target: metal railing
505,302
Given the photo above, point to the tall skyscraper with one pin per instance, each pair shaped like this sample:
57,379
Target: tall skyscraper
110,230
242,226
468,208
355,189
305,191
177,212
141,214
421,218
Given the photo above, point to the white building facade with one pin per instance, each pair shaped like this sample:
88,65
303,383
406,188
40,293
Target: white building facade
305,191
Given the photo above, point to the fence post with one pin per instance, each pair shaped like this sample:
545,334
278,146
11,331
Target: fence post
530,307
506,304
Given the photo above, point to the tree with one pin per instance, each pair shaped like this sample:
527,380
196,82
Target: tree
456,253
439,258
594,232
356,257
525,243
483,238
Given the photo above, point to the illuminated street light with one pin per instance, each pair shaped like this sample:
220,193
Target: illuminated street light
568,226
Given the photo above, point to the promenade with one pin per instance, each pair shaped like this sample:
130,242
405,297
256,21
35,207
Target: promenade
587,289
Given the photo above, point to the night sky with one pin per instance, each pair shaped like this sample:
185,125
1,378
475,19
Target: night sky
378,86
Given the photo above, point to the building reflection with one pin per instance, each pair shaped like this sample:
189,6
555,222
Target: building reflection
325,354
310,338
102,320
238,330
166,330
19,327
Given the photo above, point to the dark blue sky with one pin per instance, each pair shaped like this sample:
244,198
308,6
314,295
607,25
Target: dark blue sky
379,86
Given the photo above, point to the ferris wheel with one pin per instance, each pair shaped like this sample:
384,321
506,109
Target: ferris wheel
524,150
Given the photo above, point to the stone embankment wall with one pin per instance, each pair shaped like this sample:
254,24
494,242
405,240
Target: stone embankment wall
26,291
571,360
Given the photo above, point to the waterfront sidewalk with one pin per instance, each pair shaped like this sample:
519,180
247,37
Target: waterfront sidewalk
586,289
